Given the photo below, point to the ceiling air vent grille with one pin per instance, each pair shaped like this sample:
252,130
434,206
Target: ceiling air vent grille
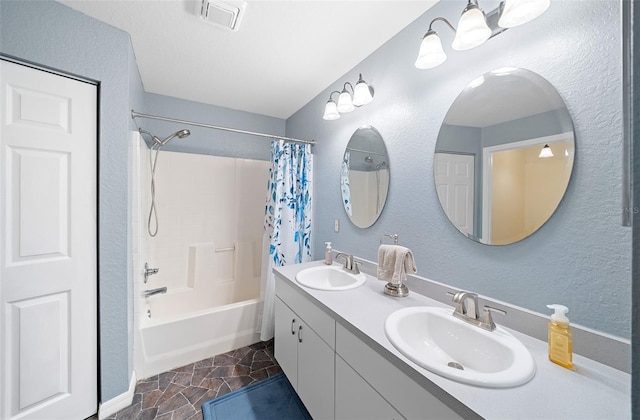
226,14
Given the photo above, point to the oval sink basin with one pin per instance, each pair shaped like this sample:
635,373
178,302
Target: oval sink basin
434,339
330,277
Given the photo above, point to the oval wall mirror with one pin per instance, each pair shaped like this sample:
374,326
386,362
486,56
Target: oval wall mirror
504,156
364,180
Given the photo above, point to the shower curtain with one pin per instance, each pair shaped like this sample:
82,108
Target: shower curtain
287,221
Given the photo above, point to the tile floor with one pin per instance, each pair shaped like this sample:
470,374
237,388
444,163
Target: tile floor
179,393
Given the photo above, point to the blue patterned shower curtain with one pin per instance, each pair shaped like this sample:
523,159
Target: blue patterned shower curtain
287,221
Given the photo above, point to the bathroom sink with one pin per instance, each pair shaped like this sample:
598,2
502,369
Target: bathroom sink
330,277
434,339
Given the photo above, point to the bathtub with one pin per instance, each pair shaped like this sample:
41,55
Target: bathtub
164,343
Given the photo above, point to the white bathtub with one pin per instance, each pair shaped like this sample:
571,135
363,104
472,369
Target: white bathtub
167,344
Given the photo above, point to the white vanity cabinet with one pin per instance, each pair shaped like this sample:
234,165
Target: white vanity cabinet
410,399
304,348
357,400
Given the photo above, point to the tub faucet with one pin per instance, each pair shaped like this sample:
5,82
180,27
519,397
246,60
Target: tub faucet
159,290
462,311
350,265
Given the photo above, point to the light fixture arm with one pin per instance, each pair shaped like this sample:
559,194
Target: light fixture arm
331,94
344,88
442,20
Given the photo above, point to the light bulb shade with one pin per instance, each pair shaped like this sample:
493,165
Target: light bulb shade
344,102
546,152
517,12
330,111
431,53
362,93
472,29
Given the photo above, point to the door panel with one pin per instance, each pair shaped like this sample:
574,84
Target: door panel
48,245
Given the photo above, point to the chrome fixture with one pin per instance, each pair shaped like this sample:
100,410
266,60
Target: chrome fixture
151,292
472,315
361,95
474,28
149,271
153,161
350,265
135,115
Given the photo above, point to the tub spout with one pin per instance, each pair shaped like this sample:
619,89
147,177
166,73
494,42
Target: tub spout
159,290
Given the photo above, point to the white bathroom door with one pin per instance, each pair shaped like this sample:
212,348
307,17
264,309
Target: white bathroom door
456,188
48,245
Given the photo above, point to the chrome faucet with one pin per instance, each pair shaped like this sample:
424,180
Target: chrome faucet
151,292
462,311
350,265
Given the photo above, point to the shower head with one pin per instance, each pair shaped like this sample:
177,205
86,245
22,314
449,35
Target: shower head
368,159
180,134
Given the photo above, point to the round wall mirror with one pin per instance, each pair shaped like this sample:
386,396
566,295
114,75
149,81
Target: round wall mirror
364,180
504,156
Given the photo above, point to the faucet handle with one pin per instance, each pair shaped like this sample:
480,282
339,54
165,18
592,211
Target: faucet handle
487,319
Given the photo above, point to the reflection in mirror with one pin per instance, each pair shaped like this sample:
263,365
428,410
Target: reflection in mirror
504,156
364,180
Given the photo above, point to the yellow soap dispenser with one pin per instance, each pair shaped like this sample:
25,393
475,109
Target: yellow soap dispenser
560,342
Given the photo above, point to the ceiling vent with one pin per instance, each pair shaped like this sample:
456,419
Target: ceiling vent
226,14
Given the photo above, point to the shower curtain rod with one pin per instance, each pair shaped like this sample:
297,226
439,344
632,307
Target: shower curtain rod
135,115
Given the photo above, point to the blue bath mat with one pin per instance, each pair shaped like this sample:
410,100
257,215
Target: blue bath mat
269,399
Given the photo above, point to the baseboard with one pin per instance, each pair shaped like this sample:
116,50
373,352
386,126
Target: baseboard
119,402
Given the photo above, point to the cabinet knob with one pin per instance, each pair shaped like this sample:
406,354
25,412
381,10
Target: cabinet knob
293,321
300,334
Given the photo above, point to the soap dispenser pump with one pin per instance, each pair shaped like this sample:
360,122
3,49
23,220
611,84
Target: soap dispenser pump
328,256
560,341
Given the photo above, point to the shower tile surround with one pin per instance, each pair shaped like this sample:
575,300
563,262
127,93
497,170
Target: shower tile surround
179,393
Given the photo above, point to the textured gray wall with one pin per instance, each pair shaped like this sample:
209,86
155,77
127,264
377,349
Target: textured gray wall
582,256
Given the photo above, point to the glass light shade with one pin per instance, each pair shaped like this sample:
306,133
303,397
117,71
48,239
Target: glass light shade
546,152
361,94
472,29
344,102
431,53
331,111
517,12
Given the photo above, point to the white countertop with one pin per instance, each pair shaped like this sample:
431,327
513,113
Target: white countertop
591,391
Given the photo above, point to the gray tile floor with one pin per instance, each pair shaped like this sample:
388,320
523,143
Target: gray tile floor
179,393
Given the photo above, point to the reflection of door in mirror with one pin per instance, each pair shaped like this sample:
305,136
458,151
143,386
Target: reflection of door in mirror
504,123
521,188
455,187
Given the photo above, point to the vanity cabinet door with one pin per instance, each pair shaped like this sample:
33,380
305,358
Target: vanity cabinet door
357,400
315,373
307,361
286,341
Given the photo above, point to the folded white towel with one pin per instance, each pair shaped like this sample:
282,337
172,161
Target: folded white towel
394,262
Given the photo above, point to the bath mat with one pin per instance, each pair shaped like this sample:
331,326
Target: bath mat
269,399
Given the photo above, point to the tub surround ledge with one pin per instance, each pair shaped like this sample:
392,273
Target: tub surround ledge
592,390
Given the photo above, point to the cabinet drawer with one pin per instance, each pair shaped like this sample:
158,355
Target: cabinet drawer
314,317
407,396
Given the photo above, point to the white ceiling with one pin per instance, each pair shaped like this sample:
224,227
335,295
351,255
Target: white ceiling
283,55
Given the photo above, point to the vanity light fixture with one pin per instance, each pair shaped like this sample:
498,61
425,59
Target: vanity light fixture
474,28
518,12
361,95
545,152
